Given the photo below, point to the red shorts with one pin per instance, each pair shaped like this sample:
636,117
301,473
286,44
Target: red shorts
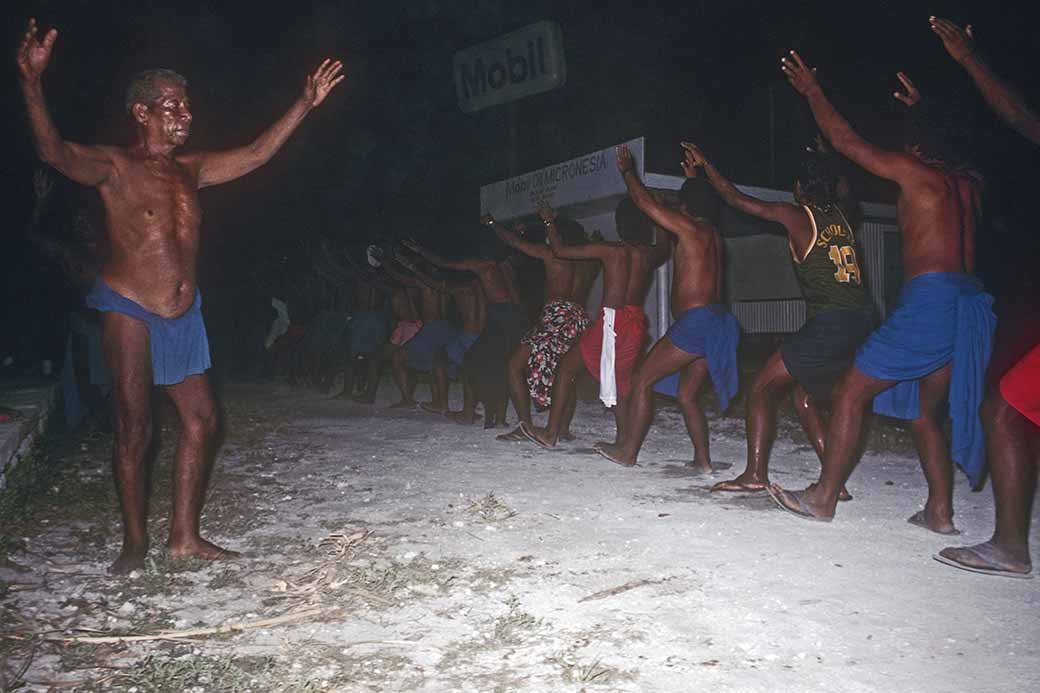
632,329
1020,386
404,331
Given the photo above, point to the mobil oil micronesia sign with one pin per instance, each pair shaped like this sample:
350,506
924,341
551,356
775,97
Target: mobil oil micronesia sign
584,178
518,64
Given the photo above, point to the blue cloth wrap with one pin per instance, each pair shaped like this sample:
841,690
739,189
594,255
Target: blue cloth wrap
713,332
179,345
367,330
457,348
97,373
941,316
421,348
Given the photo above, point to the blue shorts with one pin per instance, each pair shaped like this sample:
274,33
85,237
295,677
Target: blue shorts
458,347
179,345
818,354
712,332
421,348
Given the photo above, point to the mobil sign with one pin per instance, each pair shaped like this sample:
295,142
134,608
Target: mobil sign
518,64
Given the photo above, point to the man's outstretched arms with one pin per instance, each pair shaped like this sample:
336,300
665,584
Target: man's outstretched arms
84,164
1004,99
584,251
895,166
789,215
218,167
671,220
465,264
514,238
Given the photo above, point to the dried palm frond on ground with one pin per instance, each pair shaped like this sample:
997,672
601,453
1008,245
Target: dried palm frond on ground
341,546
490,508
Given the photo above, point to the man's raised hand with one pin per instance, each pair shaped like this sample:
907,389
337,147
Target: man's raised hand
958,42
34,53
546,213
693,158
625,162
912,96
801,77
322,81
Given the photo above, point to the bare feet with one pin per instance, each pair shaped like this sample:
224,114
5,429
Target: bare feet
742,484
129,560
615,454
988,558
200,548
432,408
566,437
404,404
939,526
700,467
843,494
538,435
798,503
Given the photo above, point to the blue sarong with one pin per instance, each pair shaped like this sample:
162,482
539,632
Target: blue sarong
367,330
712,332
421,348
457,348
80,328
179,345
941,316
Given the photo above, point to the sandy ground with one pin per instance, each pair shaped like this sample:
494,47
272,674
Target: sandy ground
408,553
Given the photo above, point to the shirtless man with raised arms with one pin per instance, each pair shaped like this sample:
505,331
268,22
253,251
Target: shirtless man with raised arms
937,340
151,318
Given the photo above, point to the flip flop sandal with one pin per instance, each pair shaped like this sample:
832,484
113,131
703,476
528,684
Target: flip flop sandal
802,511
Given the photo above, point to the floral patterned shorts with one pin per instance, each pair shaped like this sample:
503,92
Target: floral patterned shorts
560,326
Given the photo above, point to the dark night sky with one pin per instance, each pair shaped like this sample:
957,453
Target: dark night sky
391,149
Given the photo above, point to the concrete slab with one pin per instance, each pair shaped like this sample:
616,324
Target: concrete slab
36,400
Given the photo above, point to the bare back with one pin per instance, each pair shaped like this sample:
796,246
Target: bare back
627,273
497,281
937,213
366,295
403,303
585,273
469,298
697,274
560,276
432,303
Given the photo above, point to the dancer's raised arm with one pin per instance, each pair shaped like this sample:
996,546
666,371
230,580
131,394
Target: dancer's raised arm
1004,99
222,166
87,165
895,166
785,213
515,240
465,264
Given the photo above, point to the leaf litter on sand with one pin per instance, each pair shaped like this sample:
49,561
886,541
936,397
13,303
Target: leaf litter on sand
352,566
490,508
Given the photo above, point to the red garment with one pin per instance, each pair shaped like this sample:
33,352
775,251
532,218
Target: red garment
405,330
1020,386
631,329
